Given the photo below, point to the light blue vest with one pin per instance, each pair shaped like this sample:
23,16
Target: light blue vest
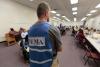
40,46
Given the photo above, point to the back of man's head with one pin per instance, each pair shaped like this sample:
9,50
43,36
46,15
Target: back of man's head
42,8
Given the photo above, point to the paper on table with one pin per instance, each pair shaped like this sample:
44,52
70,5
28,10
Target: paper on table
98,41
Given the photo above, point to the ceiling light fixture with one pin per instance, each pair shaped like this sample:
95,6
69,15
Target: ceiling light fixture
31,0
58,14
73,1
53,11
67,19
74,8
83,18
58,18
63,16
88,14
93,11
98,6
74,13
75,19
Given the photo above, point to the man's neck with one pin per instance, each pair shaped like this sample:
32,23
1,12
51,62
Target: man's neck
42,19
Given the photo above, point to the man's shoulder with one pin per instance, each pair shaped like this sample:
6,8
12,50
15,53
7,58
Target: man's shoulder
53,28
42,26
33,26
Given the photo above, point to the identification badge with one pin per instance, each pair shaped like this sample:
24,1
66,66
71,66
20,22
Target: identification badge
37,41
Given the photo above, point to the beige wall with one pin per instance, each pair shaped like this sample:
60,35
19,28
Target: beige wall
15,15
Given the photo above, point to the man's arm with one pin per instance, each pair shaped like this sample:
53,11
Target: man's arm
56,38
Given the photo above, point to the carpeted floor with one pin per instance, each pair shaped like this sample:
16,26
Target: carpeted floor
11,56
71,56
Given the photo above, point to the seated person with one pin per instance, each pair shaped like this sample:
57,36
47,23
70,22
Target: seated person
86,31
76,28
96,35
12,32
73,31
63,30
24,34
80,36
24,44
98,31
21,30
24,38
91,31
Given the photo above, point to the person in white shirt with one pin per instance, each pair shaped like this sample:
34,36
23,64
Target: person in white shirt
24,36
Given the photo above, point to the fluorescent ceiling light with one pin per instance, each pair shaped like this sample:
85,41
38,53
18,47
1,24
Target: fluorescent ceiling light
74,1
67,19
75,19
93,11
31,0
98,6
89,14
63,16
74,13
83,18
58,14
53,11
74,8
58,18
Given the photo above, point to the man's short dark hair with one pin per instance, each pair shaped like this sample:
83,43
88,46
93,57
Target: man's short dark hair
42,7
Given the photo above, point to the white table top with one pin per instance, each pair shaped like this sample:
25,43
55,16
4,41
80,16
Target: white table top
94,42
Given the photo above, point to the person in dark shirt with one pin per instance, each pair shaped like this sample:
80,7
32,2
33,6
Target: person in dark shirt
80,36
12,32
73,31
15,34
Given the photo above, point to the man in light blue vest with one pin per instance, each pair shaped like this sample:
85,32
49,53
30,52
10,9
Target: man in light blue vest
44,40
